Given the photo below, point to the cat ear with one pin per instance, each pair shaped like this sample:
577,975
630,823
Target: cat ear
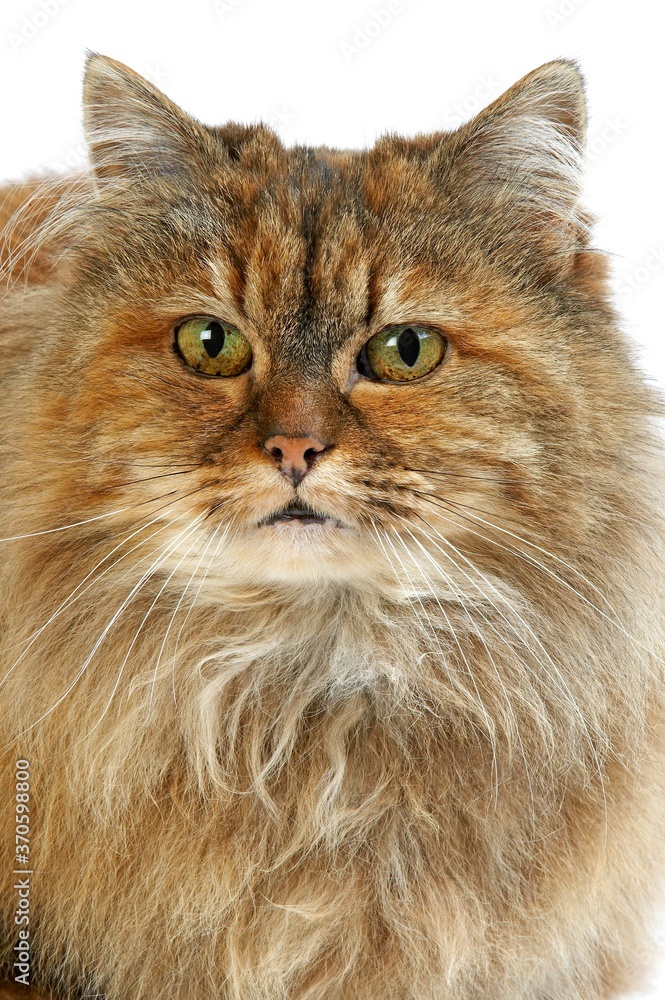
519,164
134,132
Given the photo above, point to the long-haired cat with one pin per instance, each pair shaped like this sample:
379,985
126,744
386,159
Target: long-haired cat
333,567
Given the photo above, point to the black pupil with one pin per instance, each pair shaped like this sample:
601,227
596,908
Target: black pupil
408,347
213,339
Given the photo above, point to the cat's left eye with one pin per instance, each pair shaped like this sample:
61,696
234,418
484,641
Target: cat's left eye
213,347
402,353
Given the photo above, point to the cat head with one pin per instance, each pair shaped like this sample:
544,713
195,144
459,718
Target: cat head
325,365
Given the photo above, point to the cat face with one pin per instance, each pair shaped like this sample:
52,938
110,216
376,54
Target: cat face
317,365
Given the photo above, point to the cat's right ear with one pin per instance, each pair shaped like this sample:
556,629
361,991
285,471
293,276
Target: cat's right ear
135,133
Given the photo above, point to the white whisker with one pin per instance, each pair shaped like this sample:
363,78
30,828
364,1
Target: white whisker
497,672
66,527
444,659
164,553
190,529
173,617
561,683
616,622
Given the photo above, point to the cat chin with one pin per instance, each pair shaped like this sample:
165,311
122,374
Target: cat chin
292,552
329,555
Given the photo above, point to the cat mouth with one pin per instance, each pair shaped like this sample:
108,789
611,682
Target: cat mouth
299,514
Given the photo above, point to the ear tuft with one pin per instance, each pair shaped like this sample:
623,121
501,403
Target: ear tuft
134,131
519,163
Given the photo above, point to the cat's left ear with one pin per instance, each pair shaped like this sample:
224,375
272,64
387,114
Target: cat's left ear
517,168
135,133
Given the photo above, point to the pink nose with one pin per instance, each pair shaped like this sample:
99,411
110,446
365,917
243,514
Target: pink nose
294,456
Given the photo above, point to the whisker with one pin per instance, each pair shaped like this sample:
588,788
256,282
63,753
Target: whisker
489,653
101,517
75,595
177,608
561,684
72,599
67,527
97,491
191,528
195,598
462,475
156,564
616,622
490,728
501,597
480,704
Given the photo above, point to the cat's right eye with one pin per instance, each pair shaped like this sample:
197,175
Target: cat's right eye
213,347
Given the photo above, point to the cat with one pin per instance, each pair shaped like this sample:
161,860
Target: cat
333,566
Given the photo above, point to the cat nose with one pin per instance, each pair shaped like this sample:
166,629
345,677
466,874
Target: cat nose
294,456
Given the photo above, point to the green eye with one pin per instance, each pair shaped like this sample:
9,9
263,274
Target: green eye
402,353
215,348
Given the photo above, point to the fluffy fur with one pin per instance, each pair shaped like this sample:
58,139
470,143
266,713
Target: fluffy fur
418,757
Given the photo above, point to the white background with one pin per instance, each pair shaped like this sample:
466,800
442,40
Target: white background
330,73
